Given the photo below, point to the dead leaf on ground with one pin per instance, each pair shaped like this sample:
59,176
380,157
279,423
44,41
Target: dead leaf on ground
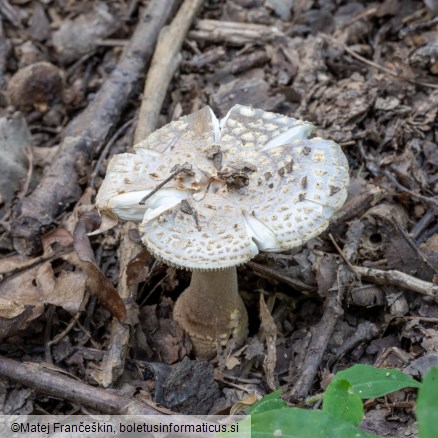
243,404
56,241
165,336
37,287
97,283
32,283
79,36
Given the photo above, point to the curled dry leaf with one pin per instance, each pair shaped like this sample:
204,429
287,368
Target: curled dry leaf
97,283
243,404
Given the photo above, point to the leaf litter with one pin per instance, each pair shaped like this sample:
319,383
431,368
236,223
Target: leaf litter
364,74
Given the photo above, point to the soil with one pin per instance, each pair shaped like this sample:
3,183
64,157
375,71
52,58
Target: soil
364,73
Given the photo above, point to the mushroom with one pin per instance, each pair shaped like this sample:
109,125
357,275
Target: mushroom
210,194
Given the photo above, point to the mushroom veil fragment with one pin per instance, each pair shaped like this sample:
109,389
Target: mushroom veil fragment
210,194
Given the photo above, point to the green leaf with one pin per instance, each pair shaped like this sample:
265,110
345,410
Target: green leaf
296,423
267,405
268,402
369,382
342,403
427,406
302,423
276,395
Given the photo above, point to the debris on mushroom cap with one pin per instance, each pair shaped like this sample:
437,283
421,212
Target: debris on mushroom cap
254,182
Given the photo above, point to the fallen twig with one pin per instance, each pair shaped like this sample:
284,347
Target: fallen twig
333,311
43,379
321,335
347,262
399,279
273,274
431,201
234,33
380,67
179,169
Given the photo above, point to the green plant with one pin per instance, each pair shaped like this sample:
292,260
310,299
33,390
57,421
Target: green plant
342,406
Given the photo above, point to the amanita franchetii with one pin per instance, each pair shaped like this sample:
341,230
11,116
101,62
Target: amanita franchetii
210,194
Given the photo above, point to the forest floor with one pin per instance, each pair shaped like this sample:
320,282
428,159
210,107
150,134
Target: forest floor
364,73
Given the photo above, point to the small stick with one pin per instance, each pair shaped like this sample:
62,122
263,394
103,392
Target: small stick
273,274
65,332
418,318
399,279
233,33
333,312
47,331
165,61
402,188
179,168
365,331
381,68
30,157
44,380
412,244
321,335
422,224
347,262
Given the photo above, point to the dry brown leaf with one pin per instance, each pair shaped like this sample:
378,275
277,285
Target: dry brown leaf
24,295
326,268
65,290
32,284
232,362
164,336
55,241
136,269
97,283
241,405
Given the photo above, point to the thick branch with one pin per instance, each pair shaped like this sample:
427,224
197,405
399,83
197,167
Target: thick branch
43,380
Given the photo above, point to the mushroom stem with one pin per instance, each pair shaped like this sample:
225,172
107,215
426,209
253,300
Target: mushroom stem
211,310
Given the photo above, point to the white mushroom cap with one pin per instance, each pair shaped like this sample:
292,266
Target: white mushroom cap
256,183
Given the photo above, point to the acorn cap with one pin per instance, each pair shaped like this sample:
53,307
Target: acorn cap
250,182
